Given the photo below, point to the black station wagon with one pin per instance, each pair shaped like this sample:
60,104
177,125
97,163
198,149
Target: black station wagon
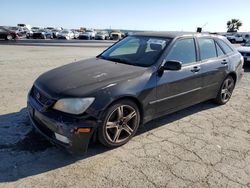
141,77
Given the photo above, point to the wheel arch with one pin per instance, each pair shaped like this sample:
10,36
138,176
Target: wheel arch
234,76
131,98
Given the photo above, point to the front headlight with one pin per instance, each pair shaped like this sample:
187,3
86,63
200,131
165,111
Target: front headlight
73,105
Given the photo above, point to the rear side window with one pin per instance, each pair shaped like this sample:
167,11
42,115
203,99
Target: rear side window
207,48
219,50
225,47
183,51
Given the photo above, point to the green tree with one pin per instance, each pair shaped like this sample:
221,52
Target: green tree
233,25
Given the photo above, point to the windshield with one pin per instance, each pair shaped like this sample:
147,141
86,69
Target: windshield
136,50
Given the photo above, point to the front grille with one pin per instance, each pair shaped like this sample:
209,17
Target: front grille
40,97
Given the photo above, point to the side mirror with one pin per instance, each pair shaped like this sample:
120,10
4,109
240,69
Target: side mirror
172,65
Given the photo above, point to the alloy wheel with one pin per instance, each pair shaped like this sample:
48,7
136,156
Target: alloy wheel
121,124
227,89
9,37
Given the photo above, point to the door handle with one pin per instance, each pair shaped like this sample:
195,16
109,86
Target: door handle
224,62
196,69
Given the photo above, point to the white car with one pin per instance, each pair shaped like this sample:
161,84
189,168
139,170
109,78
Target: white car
88,34
66,34
245,51
236,38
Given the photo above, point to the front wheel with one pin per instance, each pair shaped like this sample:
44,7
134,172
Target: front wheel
120,123
9,37
226,91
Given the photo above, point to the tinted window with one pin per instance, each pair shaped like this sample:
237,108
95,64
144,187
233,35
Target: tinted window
219,50
183,51
225,47
207,48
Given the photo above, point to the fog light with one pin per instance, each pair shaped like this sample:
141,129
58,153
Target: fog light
62,138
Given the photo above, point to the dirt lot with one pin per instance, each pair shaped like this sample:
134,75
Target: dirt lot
202,146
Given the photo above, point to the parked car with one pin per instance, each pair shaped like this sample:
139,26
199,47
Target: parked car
116,35
7,34
102,35
29,34
88,34
76,33
245,51
42,34
236,38
66,34
140,78
55,32
246,36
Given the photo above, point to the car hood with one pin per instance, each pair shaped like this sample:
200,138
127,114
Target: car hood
84,77
244,49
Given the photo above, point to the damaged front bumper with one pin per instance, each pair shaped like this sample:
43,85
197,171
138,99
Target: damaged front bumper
71,133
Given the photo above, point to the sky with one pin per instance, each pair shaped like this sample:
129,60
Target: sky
156,15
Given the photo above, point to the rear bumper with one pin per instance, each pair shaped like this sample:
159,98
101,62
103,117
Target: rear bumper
47,124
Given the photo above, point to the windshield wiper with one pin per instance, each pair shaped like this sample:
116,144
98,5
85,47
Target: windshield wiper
119,60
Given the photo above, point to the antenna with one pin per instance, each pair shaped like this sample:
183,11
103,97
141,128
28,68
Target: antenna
199,29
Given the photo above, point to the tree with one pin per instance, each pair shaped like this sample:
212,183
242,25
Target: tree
233,25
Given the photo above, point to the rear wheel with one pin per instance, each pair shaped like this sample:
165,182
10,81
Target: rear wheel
120,123
225,91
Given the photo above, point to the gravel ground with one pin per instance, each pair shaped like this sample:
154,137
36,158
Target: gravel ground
202,146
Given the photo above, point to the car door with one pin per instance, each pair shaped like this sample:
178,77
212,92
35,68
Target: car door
213,63
178,89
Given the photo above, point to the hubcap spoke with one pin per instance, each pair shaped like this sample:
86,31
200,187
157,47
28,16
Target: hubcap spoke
223,91
130,116
117,135
120,112
111,125
127,129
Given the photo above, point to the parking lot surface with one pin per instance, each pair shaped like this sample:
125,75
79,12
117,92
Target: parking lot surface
202,146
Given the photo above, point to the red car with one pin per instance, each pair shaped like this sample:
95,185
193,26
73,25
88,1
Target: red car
7,34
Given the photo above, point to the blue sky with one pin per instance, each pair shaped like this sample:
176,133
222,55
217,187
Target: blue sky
171,15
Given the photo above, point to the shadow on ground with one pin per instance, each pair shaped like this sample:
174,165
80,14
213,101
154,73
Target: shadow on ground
25,153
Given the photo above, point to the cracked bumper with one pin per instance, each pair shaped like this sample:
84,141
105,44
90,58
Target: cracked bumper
49,124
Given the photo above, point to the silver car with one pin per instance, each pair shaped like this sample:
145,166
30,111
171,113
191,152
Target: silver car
66,34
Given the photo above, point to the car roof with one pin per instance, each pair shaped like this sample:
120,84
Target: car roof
173,34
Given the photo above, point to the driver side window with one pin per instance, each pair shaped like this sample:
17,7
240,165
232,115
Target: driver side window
183,50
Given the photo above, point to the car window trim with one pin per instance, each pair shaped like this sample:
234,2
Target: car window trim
217,44
232,50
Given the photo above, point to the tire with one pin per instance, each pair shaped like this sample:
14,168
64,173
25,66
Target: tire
9,37
120,123
226,91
